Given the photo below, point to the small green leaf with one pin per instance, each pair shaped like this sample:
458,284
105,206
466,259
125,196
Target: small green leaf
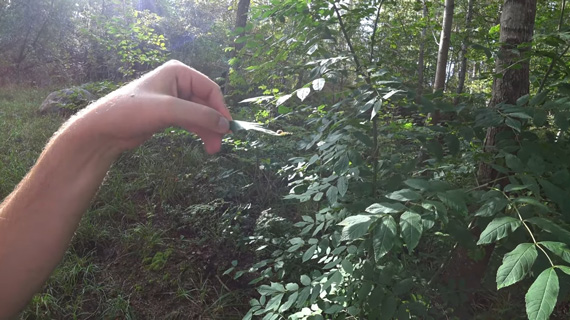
347,266
332,194
292,298
516,265
514,163
491,207
309,253
404,195
542,295
418,184
383,238
274,302
411,225
497,229
385,207
305,280
303,297
342,185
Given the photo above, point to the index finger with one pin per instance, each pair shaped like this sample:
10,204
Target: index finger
193,85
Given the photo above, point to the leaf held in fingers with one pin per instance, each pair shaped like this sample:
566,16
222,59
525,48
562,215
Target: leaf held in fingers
237,125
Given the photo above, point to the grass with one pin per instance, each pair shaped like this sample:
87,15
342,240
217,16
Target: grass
165,224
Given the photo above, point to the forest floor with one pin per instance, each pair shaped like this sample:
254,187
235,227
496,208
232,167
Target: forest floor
166,223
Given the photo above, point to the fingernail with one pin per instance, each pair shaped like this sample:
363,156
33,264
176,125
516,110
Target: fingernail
224,124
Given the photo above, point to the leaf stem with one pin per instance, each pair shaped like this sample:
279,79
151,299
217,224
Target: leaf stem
529,231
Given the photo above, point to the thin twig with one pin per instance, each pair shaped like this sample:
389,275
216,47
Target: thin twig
374,31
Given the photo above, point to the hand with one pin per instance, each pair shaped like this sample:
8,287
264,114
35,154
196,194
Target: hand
172,95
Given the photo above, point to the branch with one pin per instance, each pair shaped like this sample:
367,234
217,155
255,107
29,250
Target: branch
347,38
374,31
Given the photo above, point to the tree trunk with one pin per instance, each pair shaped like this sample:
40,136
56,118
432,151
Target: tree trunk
241,21
463,52
421,64
517,25
442,54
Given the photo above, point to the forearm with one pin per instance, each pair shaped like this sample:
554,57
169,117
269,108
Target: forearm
38,219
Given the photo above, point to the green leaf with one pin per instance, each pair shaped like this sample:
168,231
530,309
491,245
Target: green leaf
274,302
498,229
491,207
558,248
564,269
513,124
531,201
332,194
385,207
516,265
383,238
303,93
309,253
559,232
538,99
454,199
342,185
355,227
303,296
305,280
418,184
347,266
542,295
318,84
514,163
539,118
292,286
411,225
292,298
404,195
520,115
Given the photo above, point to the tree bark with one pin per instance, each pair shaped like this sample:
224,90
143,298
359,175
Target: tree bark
517,26
443,52
463,52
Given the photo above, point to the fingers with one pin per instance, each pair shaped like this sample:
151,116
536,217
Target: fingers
195,86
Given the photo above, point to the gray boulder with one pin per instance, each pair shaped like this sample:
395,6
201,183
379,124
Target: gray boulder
66,101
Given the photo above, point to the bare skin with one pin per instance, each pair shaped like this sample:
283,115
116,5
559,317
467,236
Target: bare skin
38,219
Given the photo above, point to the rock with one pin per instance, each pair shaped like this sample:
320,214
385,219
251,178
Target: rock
66,101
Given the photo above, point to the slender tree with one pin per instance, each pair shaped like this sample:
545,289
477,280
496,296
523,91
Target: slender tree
463,52
443,52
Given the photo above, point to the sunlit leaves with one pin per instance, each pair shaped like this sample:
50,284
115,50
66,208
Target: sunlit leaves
318,84
355,226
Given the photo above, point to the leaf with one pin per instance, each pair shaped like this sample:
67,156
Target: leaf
418,184
332,194
237,125
318,84
342,185
498,229
274,302
549,226
558,248
282,99
355,226
309,253
375,109
516,265
411,225
542,295
383,238
305,280
404,195
385,207
514,163
491,207
303,93
513,124
292,298
539,118
454,199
